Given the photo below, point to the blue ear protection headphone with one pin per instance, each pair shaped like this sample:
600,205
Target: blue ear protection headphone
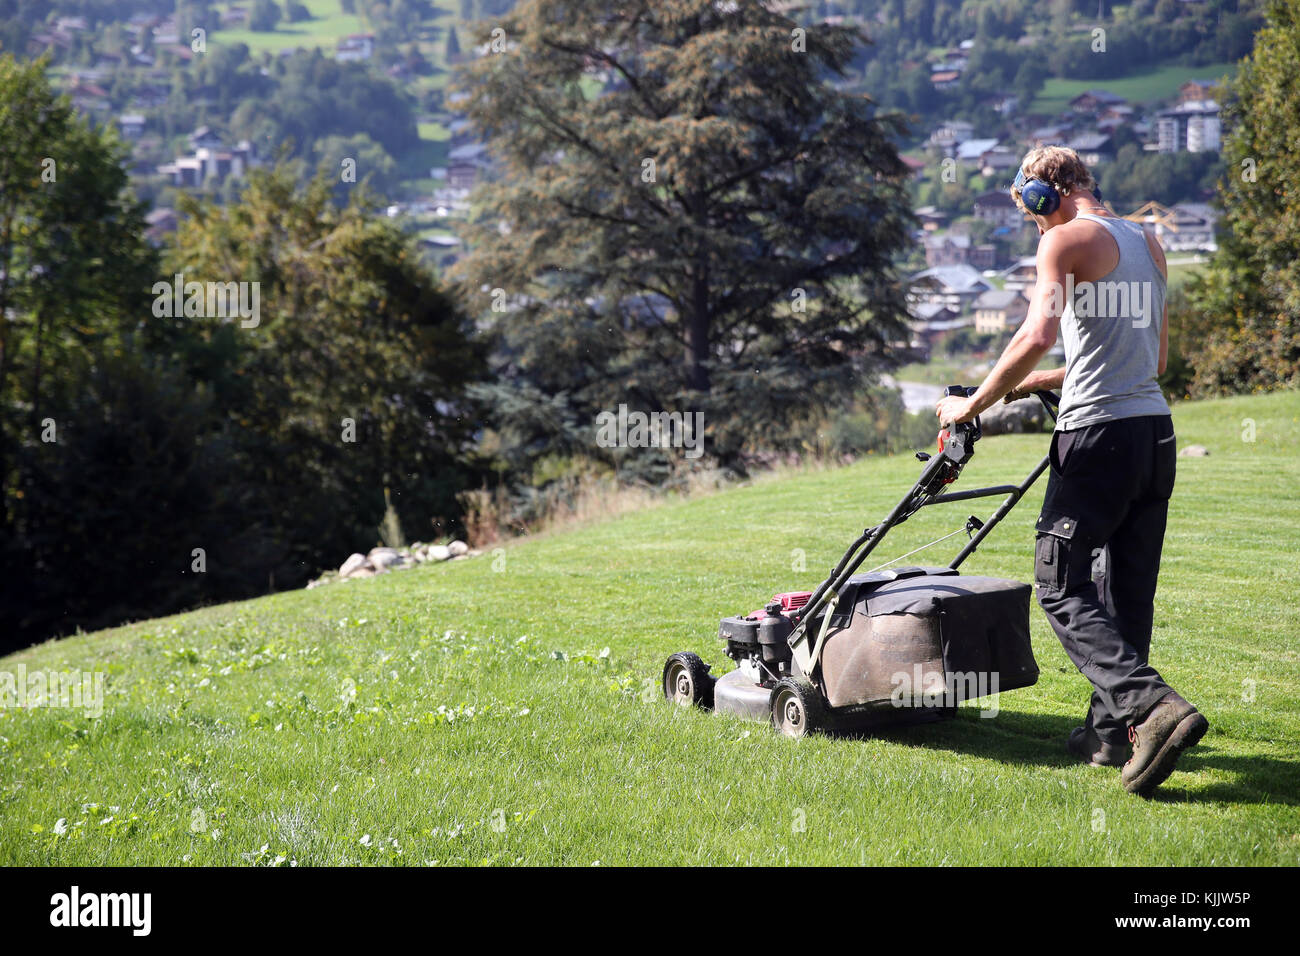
1039,197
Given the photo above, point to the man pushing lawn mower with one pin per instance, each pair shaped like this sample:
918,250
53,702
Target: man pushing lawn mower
1101,281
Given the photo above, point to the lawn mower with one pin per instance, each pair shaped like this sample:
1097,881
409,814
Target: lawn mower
891,645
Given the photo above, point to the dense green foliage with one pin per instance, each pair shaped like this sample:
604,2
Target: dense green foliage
1244,315
130,435
1137,176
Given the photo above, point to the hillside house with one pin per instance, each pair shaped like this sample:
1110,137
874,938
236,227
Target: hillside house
356,46
208,162
971,151
997,207
1093,147
1000,310
948,136
1193,127
132,125
1091,102
1021,275
931,325
1000,161
1196,91
1189,227
956,286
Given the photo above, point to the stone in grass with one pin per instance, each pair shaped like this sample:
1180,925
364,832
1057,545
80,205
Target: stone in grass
1025,416
438,552
364,571
353,562
1194,451
458,548
381,559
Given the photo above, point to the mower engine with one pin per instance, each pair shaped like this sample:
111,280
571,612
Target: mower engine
758,642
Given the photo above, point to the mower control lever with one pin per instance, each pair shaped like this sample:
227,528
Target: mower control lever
970,429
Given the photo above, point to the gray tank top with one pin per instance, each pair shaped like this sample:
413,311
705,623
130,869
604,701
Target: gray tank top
1111,331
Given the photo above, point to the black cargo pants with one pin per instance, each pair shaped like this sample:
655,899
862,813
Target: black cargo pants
1108,489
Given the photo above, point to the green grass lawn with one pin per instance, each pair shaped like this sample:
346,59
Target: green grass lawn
504,708
328,25
1146,86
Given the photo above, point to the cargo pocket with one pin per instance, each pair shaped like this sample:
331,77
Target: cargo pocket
1166,460
1052,550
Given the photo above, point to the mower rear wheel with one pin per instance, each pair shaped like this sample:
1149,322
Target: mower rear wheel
687,681
797,707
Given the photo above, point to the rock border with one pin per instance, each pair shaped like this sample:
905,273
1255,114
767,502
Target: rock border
381,560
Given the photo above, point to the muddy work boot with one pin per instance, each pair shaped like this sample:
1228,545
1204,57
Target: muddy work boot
1170,727
1092,750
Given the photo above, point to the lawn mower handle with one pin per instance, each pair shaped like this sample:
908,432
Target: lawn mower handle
1051,401
922,494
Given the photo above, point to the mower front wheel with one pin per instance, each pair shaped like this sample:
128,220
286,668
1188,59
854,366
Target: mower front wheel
797,707
687,681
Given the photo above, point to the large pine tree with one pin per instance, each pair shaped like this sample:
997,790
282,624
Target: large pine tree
692,216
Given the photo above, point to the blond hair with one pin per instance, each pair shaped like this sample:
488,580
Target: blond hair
1058,165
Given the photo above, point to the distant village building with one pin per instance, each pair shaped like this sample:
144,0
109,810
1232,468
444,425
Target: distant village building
1192,127
932,324
1000,310
997,207
1050,135
930,218
948,136
955,286
1093,148
946,249
955,249
208,162
971,151
945,79
917,166
1000,160
1003,104
1113,117
462,175
1188,227
204,136
983,255
1021,275
1091,102
1195,91
132,125
357,46
166,33
88,97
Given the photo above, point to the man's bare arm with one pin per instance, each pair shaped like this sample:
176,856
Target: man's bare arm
1036,335
1046,379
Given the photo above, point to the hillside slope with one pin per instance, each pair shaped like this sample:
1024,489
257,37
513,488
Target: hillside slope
469,712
